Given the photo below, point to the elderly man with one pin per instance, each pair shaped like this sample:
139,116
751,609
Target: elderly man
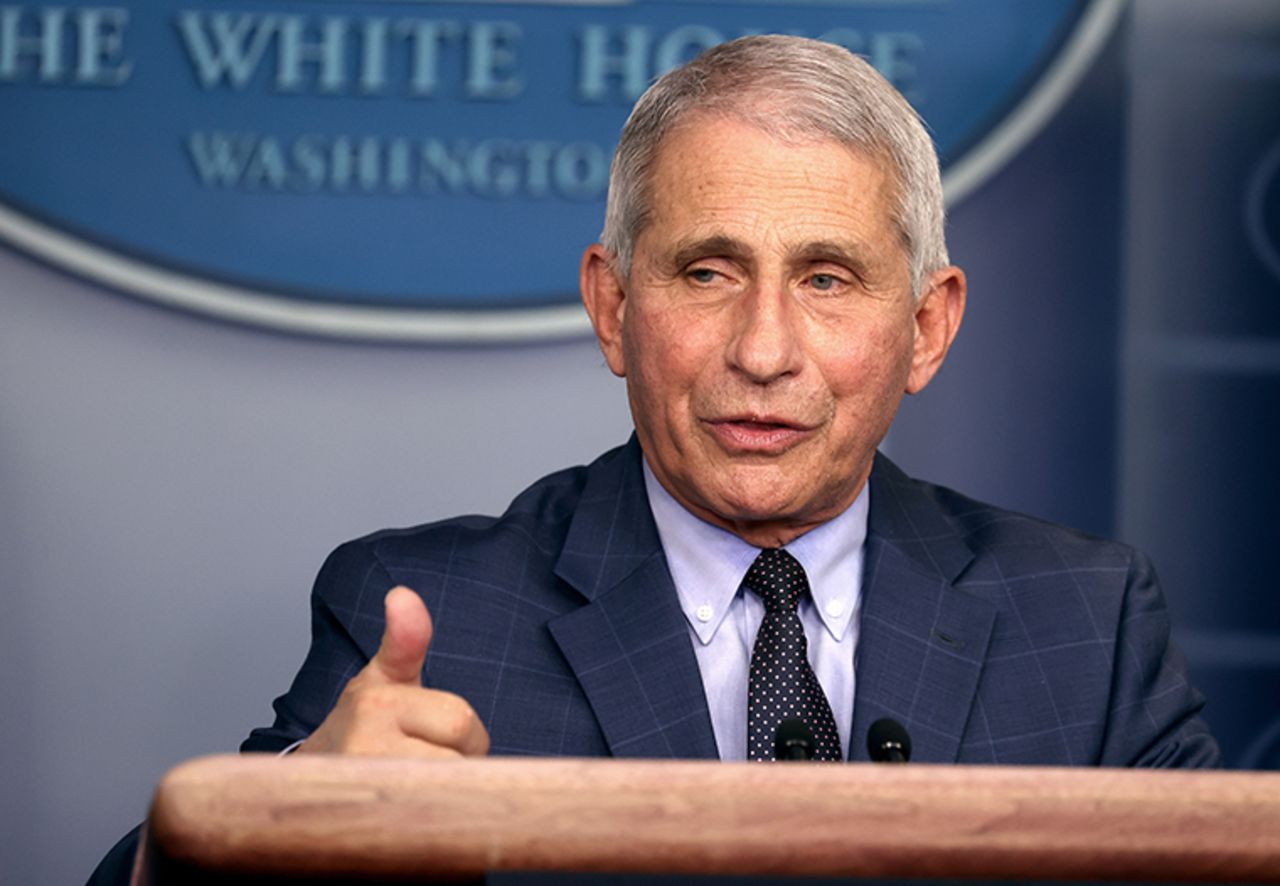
773,277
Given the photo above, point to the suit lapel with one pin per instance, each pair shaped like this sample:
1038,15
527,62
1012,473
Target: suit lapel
921,647
629,644
922,642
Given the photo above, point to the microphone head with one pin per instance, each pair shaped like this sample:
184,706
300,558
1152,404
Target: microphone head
793,740
888,741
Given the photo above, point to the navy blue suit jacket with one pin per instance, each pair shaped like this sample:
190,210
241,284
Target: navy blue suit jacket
993,637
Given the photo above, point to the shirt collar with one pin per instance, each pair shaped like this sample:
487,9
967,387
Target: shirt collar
707,563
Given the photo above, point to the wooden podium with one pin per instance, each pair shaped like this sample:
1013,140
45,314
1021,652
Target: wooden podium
241,819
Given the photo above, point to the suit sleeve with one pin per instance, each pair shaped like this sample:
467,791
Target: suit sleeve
1154,716
348,590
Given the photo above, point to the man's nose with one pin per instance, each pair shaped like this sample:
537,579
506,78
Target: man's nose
767,343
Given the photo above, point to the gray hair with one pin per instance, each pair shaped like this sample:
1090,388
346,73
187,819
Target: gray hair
796,89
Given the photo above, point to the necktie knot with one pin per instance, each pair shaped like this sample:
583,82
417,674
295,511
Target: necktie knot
778,579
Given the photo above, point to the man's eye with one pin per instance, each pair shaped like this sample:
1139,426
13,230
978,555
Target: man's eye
702,275
823,282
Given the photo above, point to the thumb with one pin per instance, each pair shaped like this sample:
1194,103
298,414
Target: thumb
404,641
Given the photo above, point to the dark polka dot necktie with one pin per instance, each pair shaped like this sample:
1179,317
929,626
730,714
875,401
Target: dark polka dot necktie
782,685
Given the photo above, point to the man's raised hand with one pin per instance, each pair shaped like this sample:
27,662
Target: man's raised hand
385,712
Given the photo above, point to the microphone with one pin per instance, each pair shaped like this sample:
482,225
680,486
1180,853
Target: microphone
888,742
793,741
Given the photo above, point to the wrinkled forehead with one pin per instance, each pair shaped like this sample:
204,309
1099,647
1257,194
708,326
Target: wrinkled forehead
665,171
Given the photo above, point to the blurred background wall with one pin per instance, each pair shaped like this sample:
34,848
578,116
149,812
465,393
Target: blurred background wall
169,484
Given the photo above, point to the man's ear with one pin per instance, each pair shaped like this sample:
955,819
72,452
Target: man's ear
605,298
938,316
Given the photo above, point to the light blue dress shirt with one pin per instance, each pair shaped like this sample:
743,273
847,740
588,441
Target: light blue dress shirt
708,563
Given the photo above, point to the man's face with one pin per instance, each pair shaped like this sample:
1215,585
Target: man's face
767,330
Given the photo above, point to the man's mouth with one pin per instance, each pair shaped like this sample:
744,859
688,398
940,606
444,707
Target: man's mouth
761,435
